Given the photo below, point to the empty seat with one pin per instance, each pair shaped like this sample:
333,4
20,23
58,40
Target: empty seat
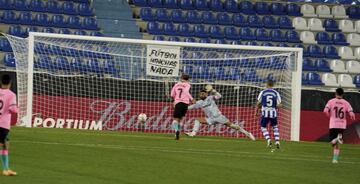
215,32
308,65
155,3
307,37
48,30
339,39
262,8
285,23
329,79
278,9
253,43
322,65
146,14
79,32
246,34
339,12
300,23
170,29
357,26
353,12
41,19
140,3
185,30
313,79
216,5
209,18
200,31
9,60
16,31
323,38
262,35
315,24
84,9
330,52
231,33
292,36
25,18
357,53
353,66
277,36
346,53
235,42
30,29
6,5
173,4
331,25
192,40
323,11
293,10
194,17
337,66
20,5
224,19
239,20
247,7
346,26
315,51
58,21
345,80
68,7
74,22
205,40
52,6
353,39
231,6
64,31
201,5
178,16
9,17
37,6
174,39
162,15
254,21
186,4
357,81
304,79
305,50
308,10
154,28
159,38
283,45
5,45
270,22
268,44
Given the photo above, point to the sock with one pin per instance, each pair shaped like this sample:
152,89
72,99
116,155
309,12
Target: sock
4,159
196,127
265,133
235,126
336,153
276,133
175,126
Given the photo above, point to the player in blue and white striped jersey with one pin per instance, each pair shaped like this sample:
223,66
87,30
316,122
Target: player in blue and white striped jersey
269,100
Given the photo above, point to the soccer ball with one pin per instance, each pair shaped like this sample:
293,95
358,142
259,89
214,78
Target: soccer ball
142,117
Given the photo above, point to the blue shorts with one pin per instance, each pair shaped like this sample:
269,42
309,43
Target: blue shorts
264,121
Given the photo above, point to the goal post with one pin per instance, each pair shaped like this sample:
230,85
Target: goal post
86,82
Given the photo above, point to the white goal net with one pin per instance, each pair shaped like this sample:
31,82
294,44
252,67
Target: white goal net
83,82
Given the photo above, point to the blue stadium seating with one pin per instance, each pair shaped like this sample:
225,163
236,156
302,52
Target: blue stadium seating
353,12
331,52
331,25
220,41
314,79
178,16
219,73
169,29
293,10
41,19
188,69
323,38
16,31
262,8
247,7
322,65
268,44
215,32
209,18
205,40
189,40
262,35
61,63
200,31
292,36
283,45
285,22
254,21
155,3
146,14
74,22
154,28
231,6
270,22
357,81
162,15
69,8
90,23
93,65
231,33
251,76
339,39
308,65
96,33
109,67
140,3
9,17
37,6
277,35
52,6
64,31
20,5
278,9
315,51
203,72
235,42
174,39
194,17
306,52
58,21
186,4
216,5
5,45
224,19
246,34
25,18
239,20
48,30
30,29
80,32
185,30
6,5
234,74
9,60
43,62
304,80
172,4
253,43
85,10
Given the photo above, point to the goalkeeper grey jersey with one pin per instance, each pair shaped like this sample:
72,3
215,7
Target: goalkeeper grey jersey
208,105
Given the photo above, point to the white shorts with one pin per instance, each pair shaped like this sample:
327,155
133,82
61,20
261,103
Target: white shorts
220,119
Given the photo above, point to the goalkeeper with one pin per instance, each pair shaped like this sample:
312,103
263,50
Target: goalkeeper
213,114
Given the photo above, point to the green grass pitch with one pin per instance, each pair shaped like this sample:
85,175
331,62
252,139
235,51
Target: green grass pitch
93,157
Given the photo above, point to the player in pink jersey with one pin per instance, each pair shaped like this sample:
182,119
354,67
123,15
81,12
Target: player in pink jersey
182,98
336,109
7,107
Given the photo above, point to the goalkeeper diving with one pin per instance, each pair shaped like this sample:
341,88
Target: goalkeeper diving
212,112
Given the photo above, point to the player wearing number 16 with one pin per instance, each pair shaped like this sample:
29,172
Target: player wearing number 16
182,98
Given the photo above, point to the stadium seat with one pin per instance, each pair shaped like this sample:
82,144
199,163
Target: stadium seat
146,14
5,45
171,4
314,79
262,35
247,7
353,12
231,6
188,69
84,9
154,28
307,37
357,52
331,25
339,39
308,10
308,65
6,5
246,34
209,18
155,3
357,26
251,43
205,40
323,38
201,31
285,23
64,31
346,53
323,11
277,36
177,16
304,80
42,19
215,32
293,10
315,51
339,12
306,52
194,17
74,22
329,79
68,7
52,6
270,22
234,74
140,3
15,31
224,19
201,5
58,21
239,20
220,41
20,5
353,39
162,15
37,6
235,42
159,38
353,66
300,23
251,76
345,80
262,8
330,52
109,67
9,60
60,63
25,18
268,44
357,81
231,33
292,36
254,21
278,9
185,30
337,66
42,62
9,17
347,26
48,30
30,29
322,65
216,5
90,23
186,4
170,29
174,39
315,24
